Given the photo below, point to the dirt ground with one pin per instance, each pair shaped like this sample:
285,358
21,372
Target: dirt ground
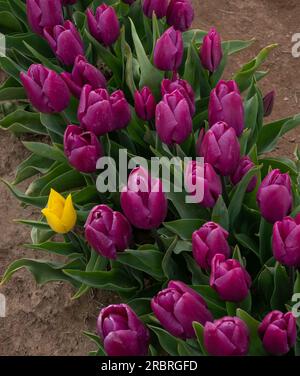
43,320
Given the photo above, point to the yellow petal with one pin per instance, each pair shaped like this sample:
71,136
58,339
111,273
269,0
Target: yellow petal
55,200
69,215
54,222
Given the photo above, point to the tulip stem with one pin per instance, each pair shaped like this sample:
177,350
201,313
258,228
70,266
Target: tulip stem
158,240
70,12
224,191
292,276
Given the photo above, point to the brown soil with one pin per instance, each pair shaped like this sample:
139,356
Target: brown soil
43,320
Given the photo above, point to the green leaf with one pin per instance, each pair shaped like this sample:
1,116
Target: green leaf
237,198
150,76
271,133
245,75
198,277
266,285
8,23
21,121
199,330
168,342
281,295
235,46
297,283
146,260
220,213
184,228
42,270
256,347
265,236
45,151
247,242
214,303
19,10
141,306
114,280
58,248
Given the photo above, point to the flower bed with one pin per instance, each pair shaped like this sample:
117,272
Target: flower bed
215,277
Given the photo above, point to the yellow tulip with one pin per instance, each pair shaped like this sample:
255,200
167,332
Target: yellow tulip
60,213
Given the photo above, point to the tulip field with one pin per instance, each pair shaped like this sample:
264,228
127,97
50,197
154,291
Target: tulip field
201,254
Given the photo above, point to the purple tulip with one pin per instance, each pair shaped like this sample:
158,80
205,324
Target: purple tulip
65,41
100,112
211,52
268,101
220,147
245,164
82,149
286,241
180,14
82,74
209,240
203,175
104,26
159,7
278,332
275,188
226,105
143,200
231,281
44,13
177,307
107,231
122,332
168,52
45,89
228,336
145,104
173,119
168,86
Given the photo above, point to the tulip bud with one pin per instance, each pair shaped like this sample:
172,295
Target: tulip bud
45,89
168,86
82,74
60,213
180,14
231,281
100,112
228,336
145,104
278,332
211,52
168,52
275,188
104,26
177,307
65,41
220,147
143,200
82,149
159,7
107,231
173,119
268,101
122,332
285,242
245,164
43,13
204,176
209,240
226,105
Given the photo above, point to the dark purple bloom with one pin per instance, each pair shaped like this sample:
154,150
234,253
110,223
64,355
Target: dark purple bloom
226,104
244,166
275,188
122,332
65,41
44,13
168,86
209,240
278,332
45,89
168,51
268,101
177,307
211,51
159,7
180,14
229,278
228,336
107,231
82,148
82,74
145,104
